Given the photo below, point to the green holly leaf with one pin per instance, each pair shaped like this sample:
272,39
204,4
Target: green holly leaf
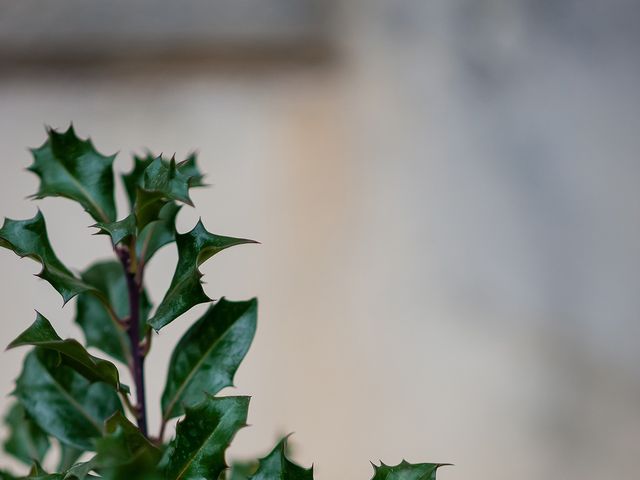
62,402
72,168
197,451
241,470
276,466
208,355
73,354
133,179
130,437
28,238
68,457
406,471
6,476
185,291
152,193
158,233
190,169
123,452
79,471
37,470
118,231
99,324
162,181
26,441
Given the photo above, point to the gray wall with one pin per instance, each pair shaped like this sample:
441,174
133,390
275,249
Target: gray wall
450,223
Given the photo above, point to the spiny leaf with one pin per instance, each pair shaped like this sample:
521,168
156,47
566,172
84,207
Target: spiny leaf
132,438
240,470
71,167
68,457
120,230
123,452
73,354
190,169
36,470
197,451
158,233
208,355
162,181
186,291
62,402
276,466
133,179
406,471
26,441
28,238
100,326
79,471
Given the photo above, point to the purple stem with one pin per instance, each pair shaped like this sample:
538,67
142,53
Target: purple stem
133,330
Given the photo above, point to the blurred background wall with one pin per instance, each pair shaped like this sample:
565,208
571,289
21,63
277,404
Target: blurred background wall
446,192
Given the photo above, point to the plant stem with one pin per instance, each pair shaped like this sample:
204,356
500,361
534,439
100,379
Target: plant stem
126,257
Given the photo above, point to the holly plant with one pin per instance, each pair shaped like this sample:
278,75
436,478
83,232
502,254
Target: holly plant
69,397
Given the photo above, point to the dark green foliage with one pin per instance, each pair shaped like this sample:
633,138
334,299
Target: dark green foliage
26,441
68,457
61,401
67,395
203,436
159,233
72,353
118,231
72,168
208,355
194,248
123,452
276,466
28,238
100,324
406,471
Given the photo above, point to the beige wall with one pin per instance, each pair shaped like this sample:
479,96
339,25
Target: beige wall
447,269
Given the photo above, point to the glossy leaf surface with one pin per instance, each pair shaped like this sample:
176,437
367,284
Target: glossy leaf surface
118,231
241,470
42,334
186,291
158,233
276,466
68,457
37,471
71,167
79,471
62,402
208,355
406,471
134,178
28,238
189,168
123,452
162,181
197,451
26,441
100,328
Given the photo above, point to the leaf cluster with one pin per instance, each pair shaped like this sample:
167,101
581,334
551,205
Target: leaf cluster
69,396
